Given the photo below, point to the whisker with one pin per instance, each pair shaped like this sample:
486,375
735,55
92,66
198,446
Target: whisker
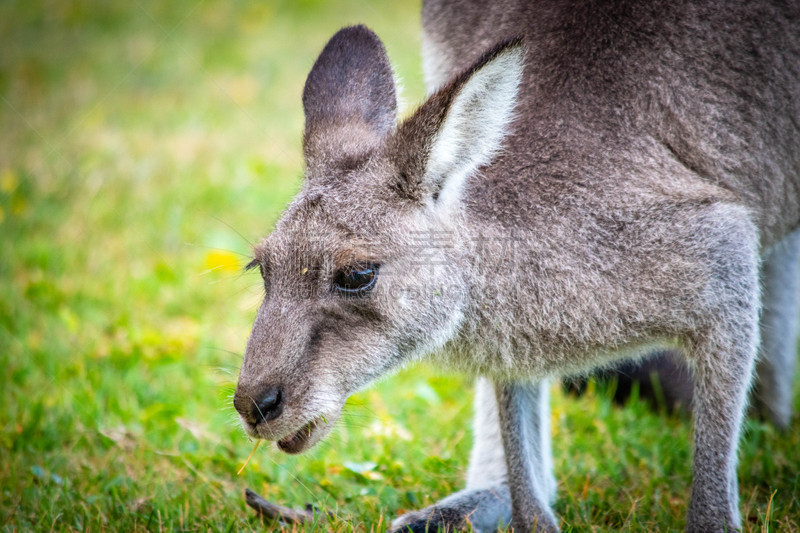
294,477
221,349
245,239
258,409
216,248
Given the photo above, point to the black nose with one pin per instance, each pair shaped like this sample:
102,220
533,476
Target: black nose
269,406
264,406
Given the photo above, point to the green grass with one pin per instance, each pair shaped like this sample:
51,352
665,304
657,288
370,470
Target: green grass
142,145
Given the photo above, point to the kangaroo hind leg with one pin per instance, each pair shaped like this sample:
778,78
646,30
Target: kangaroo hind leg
780,318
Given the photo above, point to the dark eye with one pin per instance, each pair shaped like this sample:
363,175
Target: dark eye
356,280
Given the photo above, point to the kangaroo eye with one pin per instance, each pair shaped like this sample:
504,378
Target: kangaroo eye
357,280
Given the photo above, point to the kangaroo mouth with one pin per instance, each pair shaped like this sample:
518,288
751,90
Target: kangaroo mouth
304,438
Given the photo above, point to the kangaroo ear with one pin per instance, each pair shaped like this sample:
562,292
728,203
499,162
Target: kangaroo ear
460,128
349,98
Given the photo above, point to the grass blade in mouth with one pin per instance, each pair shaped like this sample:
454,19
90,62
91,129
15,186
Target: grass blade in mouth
258,443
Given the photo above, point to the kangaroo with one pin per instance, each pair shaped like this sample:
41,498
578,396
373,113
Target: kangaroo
586,182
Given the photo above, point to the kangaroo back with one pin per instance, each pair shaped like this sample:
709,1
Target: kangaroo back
712,86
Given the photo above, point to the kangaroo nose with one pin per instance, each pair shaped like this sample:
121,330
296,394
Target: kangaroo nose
264,406
271,405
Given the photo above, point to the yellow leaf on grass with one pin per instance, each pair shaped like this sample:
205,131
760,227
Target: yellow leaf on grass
222,260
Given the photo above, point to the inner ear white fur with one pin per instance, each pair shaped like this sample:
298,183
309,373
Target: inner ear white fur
474,126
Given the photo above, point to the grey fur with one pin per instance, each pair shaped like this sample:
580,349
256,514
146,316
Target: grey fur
654,156
524,422
775,369
779,329
485,503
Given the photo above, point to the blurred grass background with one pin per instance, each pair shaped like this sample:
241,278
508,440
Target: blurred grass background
143,146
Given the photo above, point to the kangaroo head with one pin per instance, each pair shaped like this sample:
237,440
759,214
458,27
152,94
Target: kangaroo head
366,269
